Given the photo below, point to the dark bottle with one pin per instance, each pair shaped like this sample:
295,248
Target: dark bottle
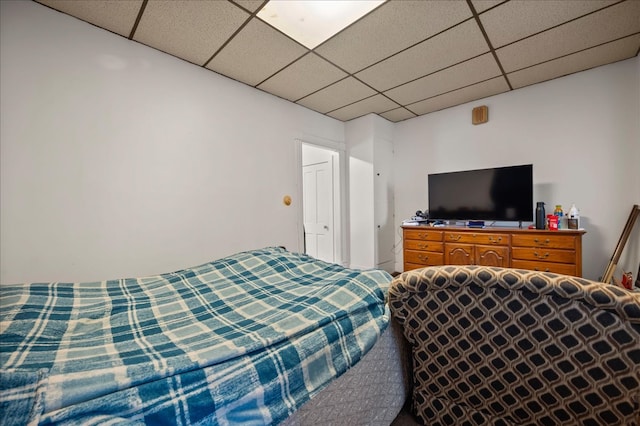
541,218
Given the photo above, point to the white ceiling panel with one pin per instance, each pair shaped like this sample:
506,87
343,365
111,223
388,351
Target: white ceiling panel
191,30
250,5
461,96
423,54
256,53
337,95
604,54
305,76
483,5
458,44
116,16
375,104
464,74
398,114
515,20
610,24
394,26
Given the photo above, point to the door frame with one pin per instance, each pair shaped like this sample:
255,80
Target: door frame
340,205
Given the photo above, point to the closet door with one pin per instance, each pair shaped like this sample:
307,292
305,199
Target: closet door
318,210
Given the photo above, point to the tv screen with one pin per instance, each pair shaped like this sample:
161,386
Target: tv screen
496,194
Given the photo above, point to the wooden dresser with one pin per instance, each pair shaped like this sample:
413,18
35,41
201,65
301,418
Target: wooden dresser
550,251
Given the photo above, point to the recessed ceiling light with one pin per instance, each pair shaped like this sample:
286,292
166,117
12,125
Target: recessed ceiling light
310,22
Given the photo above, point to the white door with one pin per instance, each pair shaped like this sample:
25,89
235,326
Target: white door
318,201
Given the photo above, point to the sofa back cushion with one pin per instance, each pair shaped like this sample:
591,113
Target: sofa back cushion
505,346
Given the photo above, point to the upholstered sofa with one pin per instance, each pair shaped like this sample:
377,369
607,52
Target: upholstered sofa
505,346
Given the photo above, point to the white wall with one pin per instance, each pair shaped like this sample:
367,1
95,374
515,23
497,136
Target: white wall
118,160
581,132
360,136
370,153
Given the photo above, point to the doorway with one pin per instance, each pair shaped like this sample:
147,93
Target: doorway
321,202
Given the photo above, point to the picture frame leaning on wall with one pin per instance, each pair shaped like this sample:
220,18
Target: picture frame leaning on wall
613,263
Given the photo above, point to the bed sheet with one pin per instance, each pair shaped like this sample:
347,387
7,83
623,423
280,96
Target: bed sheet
242,340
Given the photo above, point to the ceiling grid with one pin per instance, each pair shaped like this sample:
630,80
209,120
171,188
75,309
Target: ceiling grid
403,59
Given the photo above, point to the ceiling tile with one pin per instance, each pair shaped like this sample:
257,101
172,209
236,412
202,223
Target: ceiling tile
375,104
191,30
428,53
450,47
398,114
305,76
337,95
614,22
482,5
516,20
457,97
604,54
473,71
256,53
394,26
116,16
250,5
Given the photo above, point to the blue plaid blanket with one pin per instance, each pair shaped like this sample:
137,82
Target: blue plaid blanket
242,340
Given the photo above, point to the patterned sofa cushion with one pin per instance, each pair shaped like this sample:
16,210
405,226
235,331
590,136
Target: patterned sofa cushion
505,346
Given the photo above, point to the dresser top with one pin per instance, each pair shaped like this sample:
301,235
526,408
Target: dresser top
495,229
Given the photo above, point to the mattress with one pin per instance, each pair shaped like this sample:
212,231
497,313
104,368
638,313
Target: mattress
371,393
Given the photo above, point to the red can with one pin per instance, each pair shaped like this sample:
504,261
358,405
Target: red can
627,280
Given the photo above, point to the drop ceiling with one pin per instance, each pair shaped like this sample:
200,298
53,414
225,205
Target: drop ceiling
404,59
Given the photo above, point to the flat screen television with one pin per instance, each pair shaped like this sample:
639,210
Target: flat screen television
495,194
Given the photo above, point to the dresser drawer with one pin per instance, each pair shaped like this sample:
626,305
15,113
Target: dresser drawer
476,238
425,245
423,235
550,241
557,268
543,254
425,258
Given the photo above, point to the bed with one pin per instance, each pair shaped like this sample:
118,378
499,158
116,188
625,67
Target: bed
247,339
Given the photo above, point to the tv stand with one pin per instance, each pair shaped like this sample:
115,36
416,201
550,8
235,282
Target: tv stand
541,250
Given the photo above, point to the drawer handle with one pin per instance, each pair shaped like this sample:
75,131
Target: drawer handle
546,270
423,246
495,240
423,258
455,237
537,241
544,256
